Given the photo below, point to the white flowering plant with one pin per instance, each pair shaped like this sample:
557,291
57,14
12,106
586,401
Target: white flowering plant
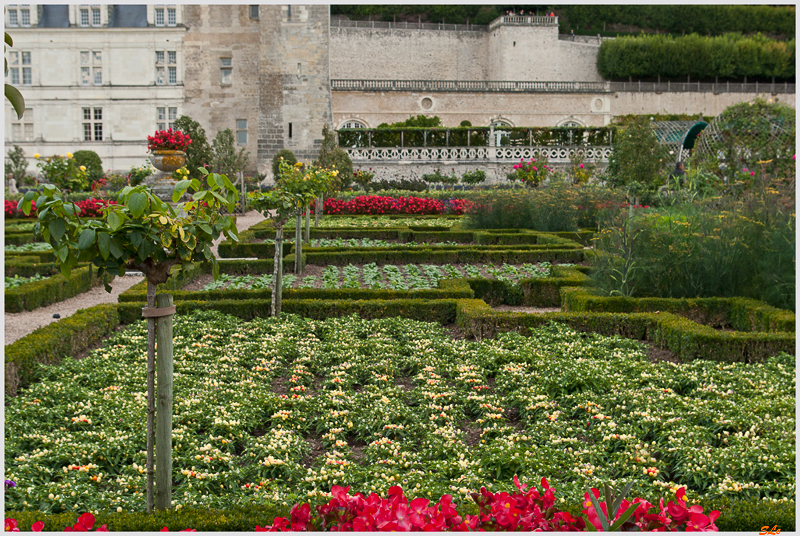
282,409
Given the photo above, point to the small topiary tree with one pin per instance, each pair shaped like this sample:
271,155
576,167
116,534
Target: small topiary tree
287,156
638,159
198,154
92,162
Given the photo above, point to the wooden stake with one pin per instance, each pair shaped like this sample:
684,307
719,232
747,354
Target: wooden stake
298,242
165,397
308,222
276,272
151,406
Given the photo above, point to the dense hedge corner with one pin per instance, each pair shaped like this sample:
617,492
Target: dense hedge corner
50,343
34,294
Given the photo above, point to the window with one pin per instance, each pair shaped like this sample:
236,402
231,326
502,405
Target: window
168,15
290,130
27,77
226,70
22,129
13,70
25,15
13,16
353,124
253,12
161,116
95,15
166,67
91,68
84,16
92,124
241,131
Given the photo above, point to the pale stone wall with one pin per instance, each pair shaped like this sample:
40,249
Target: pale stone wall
128,95
408,54
217,32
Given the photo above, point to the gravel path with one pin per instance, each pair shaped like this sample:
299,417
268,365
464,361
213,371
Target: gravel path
17,325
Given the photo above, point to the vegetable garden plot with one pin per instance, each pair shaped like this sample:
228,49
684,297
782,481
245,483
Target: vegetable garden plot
397,402
390,276
15,281
31,246
363,243
385,221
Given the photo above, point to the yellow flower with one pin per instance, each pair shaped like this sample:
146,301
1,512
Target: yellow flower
36,155
83,168
69,155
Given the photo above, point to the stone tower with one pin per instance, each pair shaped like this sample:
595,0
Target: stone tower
261,69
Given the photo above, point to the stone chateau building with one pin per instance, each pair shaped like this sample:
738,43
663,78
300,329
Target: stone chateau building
103,77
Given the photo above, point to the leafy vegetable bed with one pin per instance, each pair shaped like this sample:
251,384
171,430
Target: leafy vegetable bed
385,221
371,276
363,243
280,410
31,246
14,282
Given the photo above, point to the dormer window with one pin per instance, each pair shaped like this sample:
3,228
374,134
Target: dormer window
166,15
19,15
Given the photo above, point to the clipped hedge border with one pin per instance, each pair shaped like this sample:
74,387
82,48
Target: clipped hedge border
443,311
382,256
686,339
741,314
448,289
18,239
546,291
30,296
31,256
737,515
50,343
25,268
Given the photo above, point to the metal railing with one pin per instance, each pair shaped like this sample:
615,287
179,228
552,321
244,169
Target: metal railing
484,155
484,86
469,86
527,20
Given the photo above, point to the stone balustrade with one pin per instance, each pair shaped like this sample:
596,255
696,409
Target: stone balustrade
496,155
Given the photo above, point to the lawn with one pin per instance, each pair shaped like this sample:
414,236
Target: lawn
281,410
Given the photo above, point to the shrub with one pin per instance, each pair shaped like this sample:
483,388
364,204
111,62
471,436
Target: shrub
637,160
92,162
63,171
17,164
198,154
473,177
332,156
287,156
138,174
363,178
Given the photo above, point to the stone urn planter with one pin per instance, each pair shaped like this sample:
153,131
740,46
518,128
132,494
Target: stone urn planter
168,161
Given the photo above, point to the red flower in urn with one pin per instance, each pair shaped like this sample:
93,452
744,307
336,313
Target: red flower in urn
168,140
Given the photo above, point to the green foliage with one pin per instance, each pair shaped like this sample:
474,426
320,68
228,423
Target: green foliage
438,177
92,162
198,153
716,19
17,164
728,56
12,94
558,207
363,177
473,177
719,247
138,174
332,156
54,289
64,172
140,231
287,156
15,281
226,160
638,159
756,136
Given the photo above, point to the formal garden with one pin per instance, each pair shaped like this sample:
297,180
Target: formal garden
577,349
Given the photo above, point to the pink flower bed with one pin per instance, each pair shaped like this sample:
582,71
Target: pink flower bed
523,510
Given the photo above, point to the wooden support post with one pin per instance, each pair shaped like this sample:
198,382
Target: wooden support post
151,407
308,222
298,242
318,209
276,271
164,423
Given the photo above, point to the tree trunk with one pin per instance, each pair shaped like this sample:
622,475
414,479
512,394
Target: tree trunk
298,242
318,209
164,423
151,406
308,222
276,272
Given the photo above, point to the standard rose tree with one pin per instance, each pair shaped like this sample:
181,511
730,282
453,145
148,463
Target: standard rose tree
143,233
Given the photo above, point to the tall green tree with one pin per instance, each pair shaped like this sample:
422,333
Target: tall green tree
198,154
17,164
333,157
225,158
637,160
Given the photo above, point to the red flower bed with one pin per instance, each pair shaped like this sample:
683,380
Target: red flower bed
379,205
89,208
523,510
